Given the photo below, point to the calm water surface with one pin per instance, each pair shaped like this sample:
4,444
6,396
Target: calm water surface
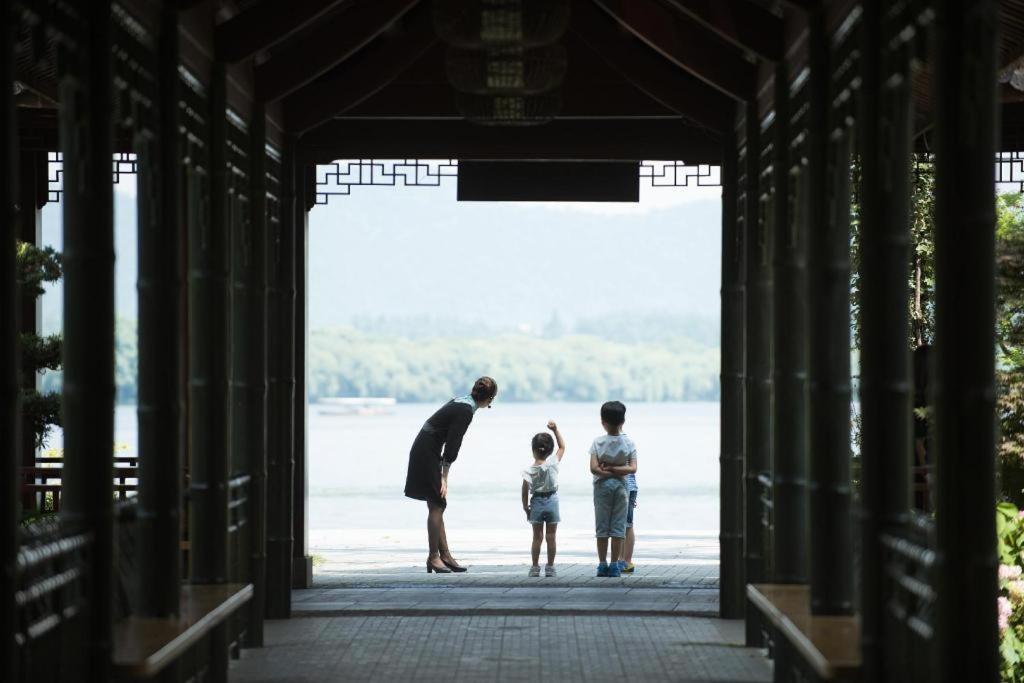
357,465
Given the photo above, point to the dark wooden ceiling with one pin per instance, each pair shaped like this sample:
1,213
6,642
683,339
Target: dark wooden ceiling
350,76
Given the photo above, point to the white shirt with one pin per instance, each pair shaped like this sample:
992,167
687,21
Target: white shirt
616,450
543,478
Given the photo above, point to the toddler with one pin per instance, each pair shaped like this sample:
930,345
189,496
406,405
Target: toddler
540,496
612,459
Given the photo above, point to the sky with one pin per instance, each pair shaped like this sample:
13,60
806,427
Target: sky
399,252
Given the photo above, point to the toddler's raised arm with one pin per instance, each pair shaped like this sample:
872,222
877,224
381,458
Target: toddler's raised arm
558,439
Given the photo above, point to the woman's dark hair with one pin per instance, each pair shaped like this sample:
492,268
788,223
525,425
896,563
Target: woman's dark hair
613,413
542,445
484,389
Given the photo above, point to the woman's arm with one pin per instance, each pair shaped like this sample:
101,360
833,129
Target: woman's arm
558,440
456,430
526,498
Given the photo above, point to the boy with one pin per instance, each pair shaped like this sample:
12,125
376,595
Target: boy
541,479
612,459
626,563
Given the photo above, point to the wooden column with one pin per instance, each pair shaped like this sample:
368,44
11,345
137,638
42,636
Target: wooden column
257,380
758,354
209,367
10,427
302,563
86,121
733,376
280,463
828,211
161,409
886,382
966,124
789,358
32,196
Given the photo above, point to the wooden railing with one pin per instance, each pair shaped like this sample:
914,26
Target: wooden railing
41,485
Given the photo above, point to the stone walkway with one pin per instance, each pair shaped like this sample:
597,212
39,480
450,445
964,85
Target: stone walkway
476,648
494,623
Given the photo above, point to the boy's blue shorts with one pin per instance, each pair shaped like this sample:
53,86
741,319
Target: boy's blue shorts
544,509
629,509
610,503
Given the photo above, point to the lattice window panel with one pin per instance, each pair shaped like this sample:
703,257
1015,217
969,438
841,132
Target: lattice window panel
123,163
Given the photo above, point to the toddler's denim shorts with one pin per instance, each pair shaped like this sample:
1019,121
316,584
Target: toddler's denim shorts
544,509
610,502
629,509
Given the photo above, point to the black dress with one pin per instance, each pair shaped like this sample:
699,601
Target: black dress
444,429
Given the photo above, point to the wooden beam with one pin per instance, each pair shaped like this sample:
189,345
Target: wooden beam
618,99
381,63
267,24
674,88
612,140
327,45
744,24
686,44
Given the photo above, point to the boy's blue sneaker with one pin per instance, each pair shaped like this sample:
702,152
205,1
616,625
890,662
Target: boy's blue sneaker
614,570
602,569
622,565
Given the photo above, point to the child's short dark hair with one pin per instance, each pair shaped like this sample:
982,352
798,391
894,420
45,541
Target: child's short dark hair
613,413
542,445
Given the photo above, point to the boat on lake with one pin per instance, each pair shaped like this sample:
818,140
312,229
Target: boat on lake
371,405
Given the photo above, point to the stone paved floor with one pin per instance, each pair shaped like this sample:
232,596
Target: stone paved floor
502,648
494,623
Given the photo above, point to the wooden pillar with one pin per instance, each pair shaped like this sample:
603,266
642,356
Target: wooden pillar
88,395
758,354
257,379
161,410
886,381
828,211
280,463
209,367
789,358
9,395
966,124
733,376
302,563
32,196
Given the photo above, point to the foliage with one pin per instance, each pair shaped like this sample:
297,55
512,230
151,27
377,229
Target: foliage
40,353
42,412
1010,336
37,265
1010,540
344,362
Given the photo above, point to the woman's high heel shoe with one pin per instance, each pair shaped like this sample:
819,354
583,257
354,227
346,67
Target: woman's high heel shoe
439,570
453,565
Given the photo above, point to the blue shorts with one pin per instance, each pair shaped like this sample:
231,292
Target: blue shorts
544,509
629,509
610,502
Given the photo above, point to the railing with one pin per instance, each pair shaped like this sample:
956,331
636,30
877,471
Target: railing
51,575
41,486
909,592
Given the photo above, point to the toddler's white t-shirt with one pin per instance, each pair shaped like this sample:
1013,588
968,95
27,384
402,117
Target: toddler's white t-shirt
542,478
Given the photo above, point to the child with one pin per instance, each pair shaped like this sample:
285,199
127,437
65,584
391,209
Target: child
541,479
612,458
626,563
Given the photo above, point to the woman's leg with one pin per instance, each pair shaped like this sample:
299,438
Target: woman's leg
435,526
442,540
549,538
538,536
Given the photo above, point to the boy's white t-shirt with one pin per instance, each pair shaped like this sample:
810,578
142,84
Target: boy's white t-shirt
613,449
542,478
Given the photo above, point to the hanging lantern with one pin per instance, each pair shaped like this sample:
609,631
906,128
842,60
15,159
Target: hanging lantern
500,23
505,71
509,110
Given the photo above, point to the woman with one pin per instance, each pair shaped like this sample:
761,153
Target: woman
428,466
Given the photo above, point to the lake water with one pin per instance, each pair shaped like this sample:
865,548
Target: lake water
357,467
